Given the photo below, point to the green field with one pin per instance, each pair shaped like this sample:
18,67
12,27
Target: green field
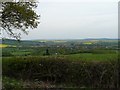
93,57
60,64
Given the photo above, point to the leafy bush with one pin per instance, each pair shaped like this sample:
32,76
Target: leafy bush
10,83
59,70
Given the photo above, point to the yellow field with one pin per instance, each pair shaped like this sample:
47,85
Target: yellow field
3,45
59,41
87,43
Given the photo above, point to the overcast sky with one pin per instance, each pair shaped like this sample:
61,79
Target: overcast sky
76,19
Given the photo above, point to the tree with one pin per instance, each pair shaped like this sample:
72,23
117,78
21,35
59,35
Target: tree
47,52
18,16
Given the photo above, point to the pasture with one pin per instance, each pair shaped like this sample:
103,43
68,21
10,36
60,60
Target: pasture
3,45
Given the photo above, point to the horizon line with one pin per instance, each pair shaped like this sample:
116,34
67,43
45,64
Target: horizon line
61,38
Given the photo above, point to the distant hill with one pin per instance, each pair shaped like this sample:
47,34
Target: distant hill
45,42
101,39
19,43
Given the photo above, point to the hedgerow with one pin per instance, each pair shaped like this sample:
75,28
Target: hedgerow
59,70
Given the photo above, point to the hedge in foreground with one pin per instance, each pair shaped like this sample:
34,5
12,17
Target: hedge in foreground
62,71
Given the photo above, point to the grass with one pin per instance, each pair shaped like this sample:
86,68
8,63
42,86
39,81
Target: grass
93,57
88,43
20,53
3,45
74,57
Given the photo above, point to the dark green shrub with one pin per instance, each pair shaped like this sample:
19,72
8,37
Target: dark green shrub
11,84
59,70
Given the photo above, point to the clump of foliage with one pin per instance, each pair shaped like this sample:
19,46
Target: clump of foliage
18,16
59,70
10,83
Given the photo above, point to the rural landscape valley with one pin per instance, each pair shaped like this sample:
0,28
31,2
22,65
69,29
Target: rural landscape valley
59,45
77,63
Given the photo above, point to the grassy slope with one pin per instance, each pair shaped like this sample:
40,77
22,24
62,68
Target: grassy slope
93,57
77,57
